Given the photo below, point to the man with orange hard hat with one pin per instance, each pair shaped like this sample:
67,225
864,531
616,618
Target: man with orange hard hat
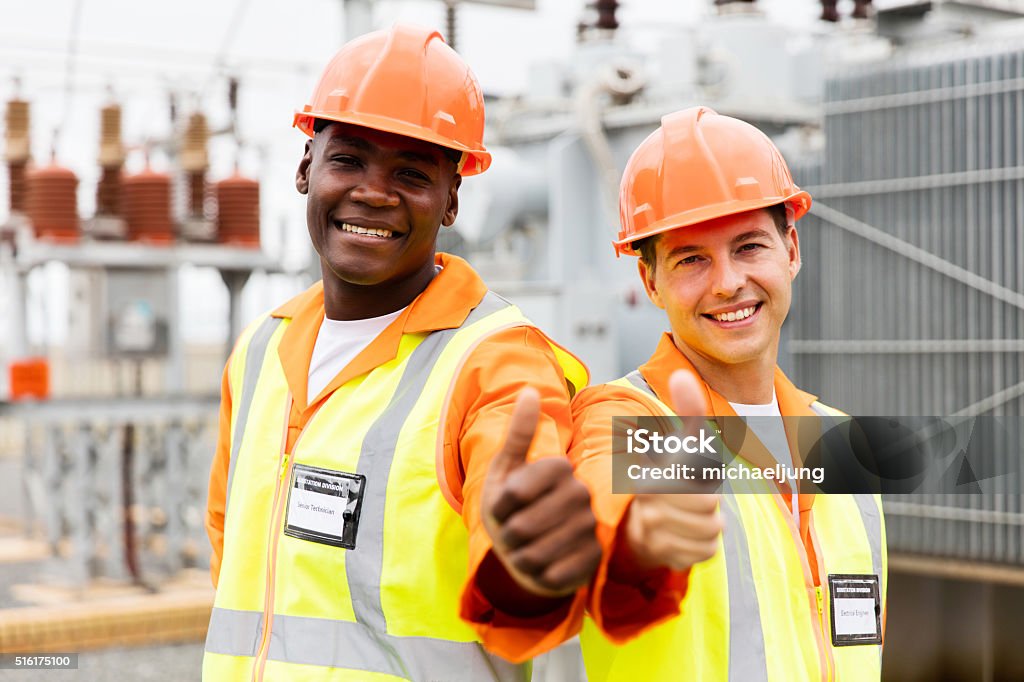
390,491
794,586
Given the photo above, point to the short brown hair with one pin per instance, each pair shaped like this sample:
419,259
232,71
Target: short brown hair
647,247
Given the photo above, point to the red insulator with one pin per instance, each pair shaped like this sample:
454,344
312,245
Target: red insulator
108,193
17,173
146,207
51,203
196,194
238,211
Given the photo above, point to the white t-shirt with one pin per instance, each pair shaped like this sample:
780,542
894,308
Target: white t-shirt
337,343
769,428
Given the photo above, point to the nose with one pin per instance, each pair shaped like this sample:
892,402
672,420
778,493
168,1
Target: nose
726,278
374,190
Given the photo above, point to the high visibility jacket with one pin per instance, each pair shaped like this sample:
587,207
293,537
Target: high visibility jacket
291,609
756,611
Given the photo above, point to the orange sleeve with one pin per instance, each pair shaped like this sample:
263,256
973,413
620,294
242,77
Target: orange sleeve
624,600
481,404
216,500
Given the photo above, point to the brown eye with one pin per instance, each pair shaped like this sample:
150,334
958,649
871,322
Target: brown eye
414,174
345,160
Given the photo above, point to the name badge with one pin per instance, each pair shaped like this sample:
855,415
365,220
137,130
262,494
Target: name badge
856,606
323,506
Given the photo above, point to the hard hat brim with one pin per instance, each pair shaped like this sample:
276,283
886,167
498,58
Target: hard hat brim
800,202
476,160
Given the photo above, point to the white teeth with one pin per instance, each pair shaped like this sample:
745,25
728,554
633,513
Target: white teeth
734,315
366,230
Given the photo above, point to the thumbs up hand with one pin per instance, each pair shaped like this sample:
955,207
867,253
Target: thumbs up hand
537,514
679,529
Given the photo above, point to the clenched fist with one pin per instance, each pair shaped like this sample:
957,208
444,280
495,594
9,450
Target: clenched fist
537,514
682,529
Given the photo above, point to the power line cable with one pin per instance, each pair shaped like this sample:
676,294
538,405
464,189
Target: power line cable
220,61
69,70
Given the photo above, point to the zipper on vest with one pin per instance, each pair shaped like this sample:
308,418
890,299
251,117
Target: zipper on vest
827,664
268,589
284,466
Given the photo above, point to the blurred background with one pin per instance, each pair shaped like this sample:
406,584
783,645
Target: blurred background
148,212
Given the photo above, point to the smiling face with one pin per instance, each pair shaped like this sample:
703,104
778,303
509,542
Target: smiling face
726,286
375,202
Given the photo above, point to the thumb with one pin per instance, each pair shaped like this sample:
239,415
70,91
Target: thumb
688,399
521,427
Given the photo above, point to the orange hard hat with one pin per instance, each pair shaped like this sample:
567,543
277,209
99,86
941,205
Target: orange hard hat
698,166
405,81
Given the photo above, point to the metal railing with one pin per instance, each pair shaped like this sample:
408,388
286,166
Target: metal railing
118,486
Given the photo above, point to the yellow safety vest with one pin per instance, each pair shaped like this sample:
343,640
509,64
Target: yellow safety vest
752,612
290,609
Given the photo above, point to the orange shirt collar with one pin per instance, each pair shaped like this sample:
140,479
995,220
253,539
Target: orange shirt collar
667,359
792,401
444,304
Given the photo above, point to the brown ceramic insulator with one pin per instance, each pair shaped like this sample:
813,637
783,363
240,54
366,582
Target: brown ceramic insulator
146,207
193,147
16,135
606,10
238,211
51,203
17,174
111,149
108,193
196,194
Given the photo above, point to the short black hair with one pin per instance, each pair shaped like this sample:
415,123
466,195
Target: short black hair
647,247
453,155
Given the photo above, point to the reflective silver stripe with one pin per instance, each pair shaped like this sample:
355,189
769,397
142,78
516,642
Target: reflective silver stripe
872,520
253,363
342,644
819,409
364,564
871,517
747,662
233,632
347,645
747,659
637,379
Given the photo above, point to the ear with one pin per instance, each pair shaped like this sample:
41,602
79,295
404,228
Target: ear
302,174
793,248
452,211
647,275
